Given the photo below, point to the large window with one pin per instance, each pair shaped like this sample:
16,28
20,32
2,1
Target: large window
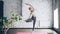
56,14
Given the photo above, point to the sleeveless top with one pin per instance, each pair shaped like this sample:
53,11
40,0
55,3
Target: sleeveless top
32,14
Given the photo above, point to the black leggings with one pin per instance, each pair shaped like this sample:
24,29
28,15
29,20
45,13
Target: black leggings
34,21
30,20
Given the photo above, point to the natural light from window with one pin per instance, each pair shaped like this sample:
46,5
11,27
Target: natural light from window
56,18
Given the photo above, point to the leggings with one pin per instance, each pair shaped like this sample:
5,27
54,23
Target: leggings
34,21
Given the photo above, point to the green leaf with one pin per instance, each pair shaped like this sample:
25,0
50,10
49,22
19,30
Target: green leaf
12,14
5,20
16,18
20,18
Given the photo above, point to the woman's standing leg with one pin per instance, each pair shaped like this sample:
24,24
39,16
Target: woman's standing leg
34,21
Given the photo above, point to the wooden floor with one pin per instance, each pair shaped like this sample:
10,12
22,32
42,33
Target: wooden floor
14,31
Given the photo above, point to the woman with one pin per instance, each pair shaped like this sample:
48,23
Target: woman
31,16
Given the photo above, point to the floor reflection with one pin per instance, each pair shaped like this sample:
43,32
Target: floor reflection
19,31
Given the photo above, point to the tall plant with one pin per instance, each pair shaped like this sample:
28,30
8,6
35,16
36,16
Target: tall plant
7,21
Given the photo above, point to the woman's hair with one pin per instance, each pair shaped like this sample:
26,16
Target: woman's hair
29,8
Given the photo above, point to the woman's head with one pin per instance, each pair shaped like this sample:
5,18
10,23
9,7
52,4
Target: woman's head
29,8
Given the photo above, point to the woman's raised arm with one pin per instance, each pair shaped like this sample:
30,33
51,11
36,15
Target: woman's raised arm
30,5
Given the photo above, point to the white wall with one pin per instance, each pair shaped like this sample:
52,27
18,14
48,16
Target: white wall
12,5
43,11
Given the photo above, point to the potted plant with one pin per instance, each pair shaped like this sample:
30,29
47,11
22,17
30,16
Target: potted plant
7,22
